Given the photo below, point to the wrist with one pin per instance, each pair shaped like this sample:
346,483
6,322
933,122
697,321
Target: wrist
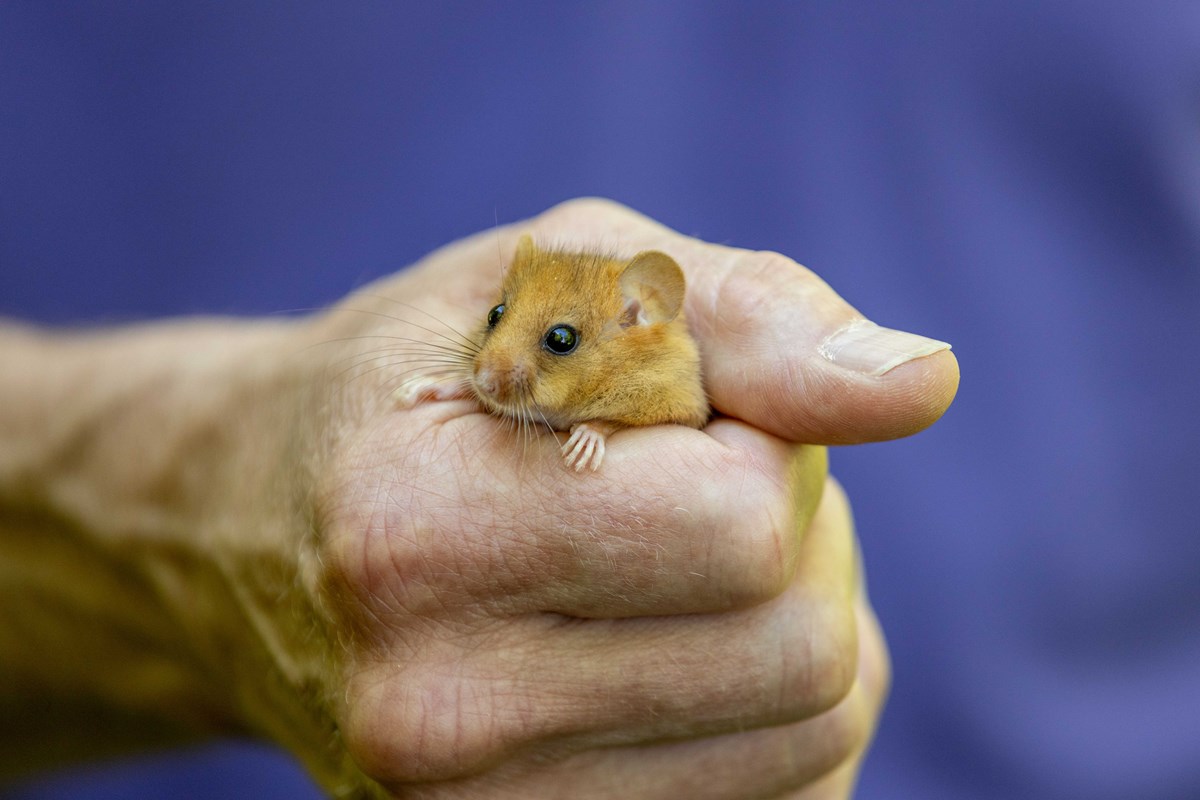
145,577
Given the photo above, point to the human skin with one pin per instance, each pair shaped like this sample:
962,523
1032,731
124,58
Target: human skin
214,527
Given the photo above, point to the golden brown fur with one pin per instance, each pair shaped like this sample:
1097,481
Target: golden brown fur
623,371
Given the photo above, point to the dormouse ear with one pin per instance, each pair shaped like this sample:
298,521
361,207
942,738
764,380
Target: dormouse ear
525,249
652,285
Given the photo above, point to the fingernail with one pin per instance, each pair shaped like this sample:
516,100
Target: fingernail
863,346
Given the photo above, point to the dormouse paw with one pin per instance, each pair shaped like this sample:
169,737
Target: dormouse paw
422,390
586,445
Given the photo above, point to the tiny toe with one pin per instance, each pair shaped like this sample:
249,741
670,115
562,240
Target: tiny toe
570,457
585,458
598,457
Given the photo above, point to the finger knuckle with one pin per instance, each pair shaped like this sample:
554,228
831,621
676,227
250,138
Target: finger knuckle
762,543
822,664
829,741
775,270
585,207
427,726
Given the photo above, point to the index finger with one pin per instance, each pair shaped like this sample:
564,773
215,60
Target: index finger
781,349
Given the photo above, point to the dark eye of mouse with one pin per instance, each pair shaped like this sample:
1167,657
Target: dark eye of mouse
495,314
561,339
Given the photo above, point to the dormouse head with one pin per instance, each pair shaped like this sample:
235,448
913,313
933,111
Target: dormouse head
566,324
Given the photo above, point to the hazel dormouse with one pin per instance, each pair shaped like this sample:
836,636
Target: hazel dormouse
582,342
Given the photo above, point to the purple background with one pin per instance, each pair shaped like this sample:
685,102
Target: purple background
1020,178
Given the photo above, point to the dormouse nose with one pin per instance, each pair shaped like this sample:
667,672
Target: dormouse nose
501,377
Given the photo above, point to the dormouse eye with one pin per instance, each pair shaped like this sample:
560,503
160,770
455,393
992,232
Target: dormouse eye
561,339
494,315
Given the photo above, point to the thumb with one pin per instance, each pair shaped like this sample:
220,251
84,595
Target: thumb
784,352
781,350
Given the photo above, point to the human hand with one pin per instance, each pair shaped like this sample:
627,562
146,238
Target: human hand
228,526
686,622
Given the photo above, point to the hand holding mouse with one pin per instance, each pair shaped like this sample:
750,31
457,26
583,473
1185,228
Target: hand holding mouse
422,602
591,684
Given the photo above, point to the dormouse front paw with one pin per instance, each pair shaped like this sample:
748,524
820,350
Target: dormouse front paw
423,390
586,444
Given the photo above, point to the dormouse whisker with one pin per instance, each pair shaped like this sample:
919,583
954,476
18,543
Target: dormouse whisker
445,325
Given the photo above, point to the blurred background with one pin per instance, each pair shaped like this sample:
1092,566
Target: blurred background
1019,178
